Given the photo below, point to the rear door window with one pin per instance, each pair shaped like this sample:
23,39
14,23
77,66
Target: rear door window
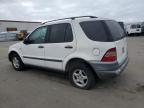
61,33
57,33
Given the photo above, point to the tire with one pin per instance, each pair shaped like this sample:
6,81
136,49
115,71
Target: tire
86,75
17,62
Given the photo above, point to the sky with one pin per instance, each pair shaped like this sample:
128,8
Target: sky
43,10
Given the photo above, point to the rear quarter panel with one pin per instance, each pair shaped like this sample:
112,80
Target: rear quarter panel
85,47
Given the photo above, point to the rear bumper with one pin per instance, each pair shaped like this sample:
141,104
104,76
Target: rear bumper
108,70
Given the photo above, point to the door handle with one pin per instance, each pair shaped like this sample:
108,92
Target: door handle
40,46
69,47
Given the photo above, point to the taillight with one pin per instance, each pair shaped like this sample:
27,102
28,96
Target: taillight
110,55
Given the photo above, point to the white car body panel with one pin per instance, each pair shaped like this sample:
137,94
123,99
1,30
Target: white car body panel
121,46
32,50
16,48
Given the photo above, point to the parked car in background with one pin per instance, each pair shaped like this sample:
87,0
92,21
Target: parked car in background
142,26
86,48
133,29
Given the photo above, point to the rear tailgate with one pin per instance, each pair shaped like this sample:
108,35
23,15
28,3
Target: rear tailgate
121,47
118,37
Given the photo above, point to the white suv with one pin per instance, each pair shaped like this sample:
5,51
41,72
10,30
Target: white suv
84,47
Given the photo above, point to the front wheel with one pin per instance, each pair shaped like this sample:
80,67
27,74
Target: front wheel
81,76
17,62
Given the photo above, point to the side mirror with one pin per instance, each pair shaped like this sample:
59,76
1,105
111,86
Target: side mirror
27,41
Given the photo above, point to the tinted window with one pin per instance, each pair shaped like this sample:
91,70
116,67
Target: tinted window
142,24
121,24
104,31
38,36
138,26
115,29
61,33
95,30
69,35
133,26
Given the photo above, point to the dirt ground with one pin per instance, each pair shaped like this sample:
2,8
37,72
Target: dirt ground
36,88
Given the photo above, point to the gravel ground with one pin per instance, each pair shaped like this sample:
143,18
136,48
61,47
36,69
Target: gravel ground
39,88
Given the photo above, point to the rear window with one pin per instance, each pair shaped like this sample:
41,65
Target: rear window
115,29
103,31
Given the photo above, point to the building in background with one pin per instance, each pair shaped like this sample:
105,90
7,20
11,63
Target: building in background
10,25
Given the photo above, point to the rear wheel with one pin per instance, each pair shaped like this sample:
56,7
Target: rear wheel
81,76
17,62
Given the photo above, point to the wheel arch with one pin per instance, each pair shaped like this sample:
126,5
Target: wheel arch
69,62
11,53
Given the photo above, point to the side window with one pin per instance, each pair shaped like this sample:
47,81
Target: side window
95,30
138,26
60,33
69,34
133,26
38,36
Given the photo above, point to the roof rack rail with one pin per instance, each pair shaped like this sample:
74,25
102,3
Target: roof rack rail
73,18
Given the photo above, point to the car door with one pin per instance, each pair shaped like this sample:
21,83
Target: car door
60,44
33,52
